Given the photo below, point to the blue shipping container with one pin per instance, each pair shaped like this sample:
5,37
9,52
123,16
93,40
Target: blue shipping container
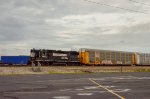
15,59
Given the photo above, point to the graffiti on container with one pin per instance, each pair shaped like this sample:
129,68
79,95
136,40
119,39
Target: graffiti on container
107,62
119,62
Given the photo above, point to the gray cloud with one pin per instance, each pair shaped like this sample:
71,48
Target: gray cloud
72,24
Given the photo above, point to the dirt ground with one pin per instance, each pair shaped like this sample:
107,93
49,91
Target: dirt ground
70,69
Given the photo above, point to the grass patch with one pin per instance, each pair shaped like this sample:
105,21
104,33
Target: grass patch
51,72
142,70
9,74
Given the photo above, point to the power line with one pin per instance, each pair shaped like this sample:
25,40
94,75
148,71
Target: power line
104,4
139,2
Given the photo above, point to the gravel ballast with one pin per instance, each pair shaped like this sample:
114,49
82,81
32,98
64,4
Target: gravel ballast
70,69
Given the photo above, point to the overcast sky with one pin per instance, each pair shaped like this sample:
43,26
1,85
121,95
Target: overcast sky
73,24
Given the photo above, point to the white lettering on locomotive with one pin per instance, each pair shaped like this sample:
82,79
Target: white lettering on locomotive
59,54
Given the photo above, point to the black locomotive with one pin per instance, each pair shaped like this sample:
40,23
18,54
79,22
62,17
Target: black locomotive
45,57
